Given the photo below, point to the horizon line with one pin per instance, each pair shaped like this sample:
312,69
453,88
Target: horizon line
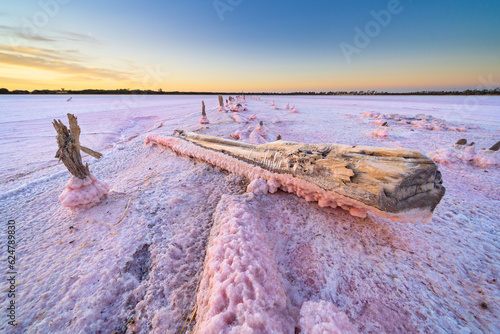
94,91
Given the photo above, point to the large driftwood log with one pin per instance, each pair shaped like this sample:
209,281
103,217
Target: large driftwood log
69,145
396,183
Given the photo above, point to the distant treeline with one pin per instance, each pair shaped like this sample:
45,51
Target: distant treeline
495,91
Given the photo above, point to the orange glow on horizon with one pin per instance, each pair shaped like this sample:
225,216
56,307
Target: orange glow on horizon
27,78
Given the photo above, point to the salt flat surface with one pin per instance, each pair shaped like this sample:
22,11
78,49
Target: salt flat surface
79,272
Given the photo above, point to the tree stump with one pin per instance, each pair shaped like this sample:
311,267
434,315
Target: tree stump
83,190
203,119
69,147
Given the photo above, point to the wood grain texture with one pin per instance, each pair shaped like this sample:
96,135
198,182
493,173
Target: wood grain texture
390,180
69,149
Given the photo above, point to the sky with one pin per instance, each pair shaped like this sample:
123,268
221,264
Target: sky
251,46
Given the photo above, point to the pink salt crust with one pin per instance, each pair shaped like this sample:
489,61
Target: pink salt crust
83,193
239,119
381,132
465,154
259,135
258,187
204,120
323,317
240,290
286,182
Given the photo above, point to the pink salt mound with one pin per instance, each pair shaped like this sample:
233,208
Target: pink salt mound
83,193
295,111
276,108
323,317
259,135
487,158
236,108
221,109
465,154
204,120
239,118
258,187
240,290
381,132
286,107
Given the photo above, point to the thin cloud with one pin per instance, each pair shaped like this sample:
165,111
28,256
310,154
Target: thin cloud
76,37
16,33
58,54
36,38
25,82
48,64
51,36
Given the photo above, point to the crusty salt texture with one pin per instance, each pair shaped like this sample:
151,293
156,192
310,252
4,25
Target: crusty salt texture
83,193
323,317
240,290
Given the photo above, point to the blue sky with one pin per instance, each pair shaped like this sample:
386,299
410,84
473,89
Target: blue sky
235,45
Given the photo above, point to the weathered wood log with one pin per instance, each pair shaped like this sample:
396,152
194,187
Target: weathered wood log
69,145
399,184
203,113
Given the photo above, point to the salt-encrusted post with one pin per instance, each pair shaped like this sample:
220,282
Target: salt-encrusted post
221,103
203,119
83,189
69,147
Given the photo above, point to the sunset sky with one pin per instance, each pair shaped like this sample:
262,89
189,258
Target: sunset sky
243,45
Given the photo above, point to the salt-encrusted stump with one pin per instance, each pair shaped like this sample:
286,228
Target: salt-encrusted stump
203,119
221,103
83,189
399,184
